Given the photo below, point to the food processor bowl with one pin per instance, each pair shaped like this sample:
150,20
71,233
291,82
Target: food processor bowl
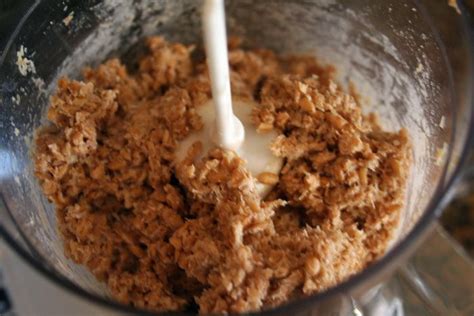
411,62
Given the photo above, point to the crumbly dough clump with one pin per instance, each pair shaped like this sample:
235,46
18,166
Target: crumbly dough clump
164,236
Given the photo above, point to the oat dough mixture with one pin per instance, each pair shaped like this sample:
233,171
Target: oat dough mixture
196,235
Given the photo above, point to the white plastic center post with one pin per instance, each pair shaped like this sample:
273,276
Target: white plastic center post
221,127
229,132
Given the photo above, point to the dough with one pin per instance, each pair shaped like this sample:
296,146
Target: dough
167,237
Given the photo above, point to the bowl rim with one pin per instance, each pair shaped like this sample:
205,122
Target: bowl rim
387,263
